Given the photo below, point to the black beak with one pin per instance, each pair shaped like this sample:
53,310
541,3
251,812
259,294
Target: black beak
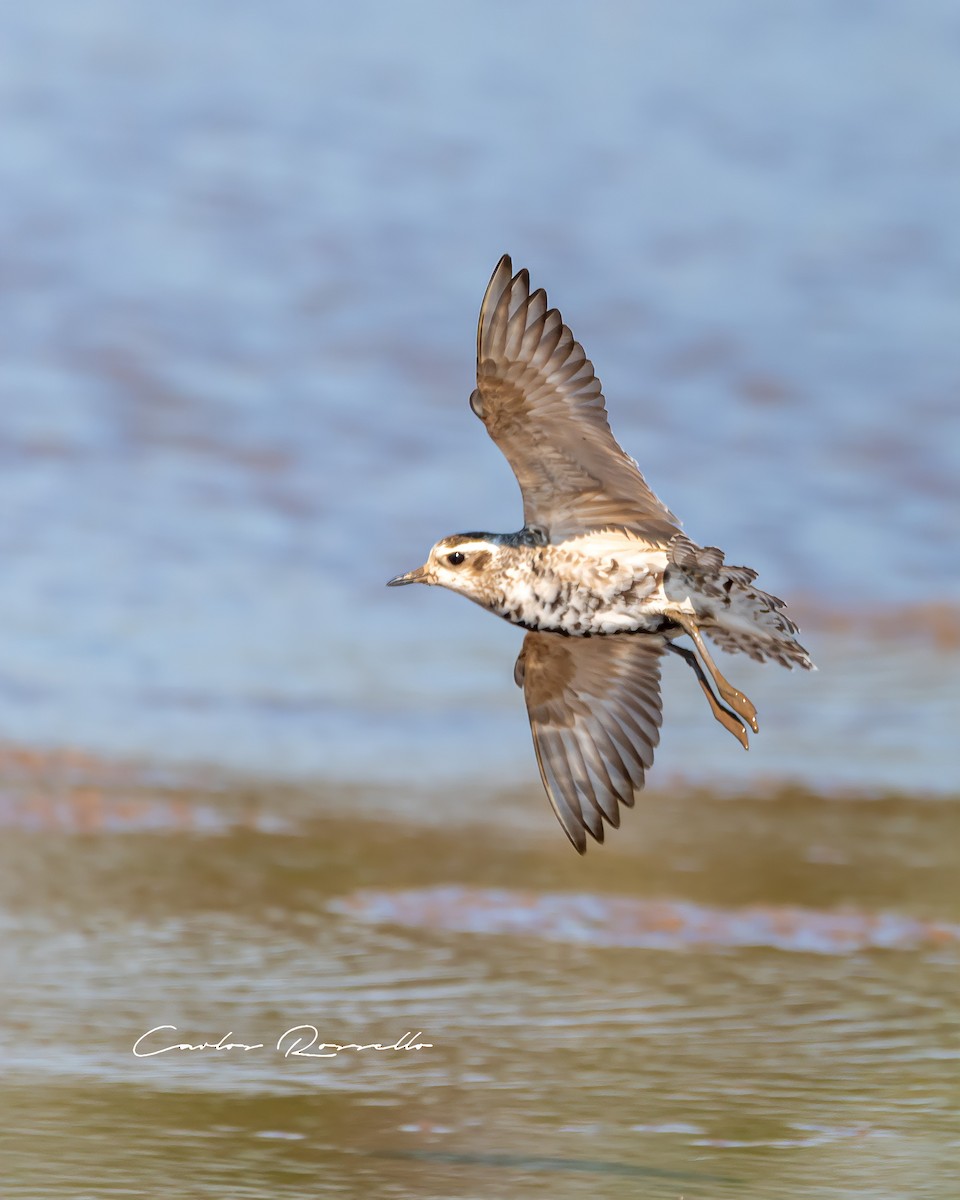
416,576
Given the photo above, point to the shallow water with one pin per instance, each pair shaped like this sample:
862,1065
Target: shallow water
243,251
566,1055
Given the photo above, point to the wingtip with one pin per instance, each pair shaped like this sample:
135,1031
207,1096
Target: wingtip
580,846
502,272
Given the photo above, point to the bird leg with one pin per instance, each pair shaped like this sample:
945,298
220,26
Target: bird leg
726,718
737,700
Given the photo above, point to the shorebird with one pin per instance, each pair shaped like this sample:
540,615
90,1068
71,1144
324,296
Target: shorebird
600,575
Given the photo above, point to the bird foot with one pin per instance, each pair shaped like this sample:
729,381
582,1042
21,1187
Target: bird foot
734,725
730,721
740,704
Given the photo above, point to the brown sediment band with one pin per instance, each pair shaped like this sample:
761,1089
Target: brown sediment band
936,623
64,790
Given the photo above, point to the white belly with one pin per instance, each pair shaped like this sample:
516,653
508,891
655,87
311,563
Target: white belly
601,584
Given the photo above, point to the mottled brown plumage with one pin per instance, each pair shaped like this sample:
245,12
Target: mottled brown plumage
600,575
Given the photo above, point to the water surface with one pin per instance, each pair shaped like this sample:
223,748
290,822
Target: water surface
243,787
570,1052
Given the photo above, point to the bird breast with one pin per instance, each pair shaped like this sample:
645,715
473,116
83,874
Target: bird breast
573,590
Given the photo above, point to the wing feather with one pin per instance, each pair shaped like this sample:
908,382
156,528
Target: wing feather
543,405
555,773
610,759
594,708
573,749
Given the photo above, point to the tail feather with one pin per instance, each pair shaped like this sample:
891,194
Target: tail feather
785,650
742,618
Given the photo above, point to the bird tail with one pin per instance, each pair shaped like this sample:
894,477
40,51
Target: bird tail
743,619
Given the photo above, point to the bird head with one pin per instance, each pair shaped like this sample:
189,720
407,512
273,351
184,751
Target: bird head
460,562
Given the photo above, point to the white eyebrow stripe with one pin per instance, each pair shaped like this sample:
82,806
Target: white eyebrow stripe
467,547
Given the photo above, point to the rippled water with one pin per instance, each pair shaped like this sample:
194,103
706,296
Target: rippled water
242,255
566,1056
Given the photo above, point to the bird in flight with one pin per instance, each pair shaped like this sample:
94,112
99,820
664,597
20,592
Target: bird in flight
600,576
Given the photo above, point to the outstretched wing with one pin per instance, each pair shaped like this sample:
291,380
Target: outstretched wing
541,402
594,707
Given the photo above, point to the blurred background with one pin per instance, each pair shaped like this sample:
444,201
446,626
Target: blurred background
242,251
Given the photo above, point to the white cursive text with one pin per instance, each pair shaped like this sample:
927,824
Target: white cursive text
302,1041
223,1044
304,1044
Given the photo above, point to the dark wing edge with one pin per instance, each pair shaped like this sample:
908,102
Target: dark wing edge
595,713
541,402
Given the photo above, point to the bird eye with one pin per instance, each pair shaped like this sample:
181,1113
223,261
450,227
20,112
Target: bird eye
455,559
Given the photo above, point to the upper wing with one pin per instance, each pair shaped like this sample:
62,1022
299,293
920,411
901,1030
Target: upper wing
541,402
594,707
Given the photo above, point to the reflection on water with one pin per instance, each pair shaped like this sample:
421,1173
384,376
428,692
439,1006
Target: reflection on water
647,924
